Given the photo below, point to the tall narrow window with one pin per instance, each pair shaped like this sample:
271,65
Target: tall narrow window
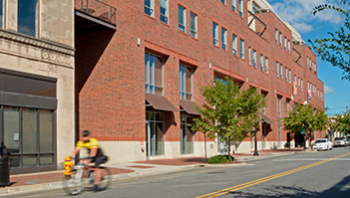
286,74
250,55
276,36
307,62
233,5
240,8
285,43
164,11
289,76
298,83
223,38
149,7
277,68
308,85
301,84
185,82
234,44
280,39
193,25
281,71
187,134
27,17
223,1
215,34
254,58
288,46
266,65
182,18
295,78
1,13
153,74
261,62
241,48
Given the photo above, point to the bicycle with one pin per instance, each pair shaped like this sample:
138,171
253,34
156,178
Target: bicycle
82,179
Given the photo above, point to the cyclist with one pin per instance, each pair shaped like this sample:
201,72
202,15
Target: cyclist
95,154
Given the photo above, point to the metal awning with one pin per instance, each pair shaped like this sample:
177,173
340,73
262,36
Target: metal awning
160,103
189,107
266,119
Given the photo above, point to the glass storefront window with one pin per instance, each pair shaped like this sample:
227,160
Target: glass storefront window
12,129
30,132
46,131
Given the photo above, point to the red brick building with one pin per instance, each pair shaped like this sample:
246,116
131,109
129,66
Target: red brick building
141,81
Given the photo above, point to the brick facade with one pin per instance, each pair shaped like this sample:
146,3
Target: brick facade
110,67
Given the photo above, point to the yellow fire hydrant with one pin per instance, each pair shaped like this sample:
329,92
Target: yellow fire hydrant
67,166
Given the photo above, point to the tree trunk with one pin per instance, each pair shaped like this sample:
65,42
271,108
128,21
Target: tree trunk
309,141
229,148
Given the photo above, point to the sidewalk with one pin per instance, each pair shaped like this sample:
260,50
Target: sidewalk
53,180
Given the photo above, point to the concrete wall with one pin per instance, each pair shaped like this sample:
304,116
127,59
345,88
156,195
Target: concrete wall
51,55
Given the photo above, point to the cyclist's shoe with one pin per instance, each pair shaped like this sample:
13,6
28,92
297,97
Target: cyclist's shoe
96,188
102,178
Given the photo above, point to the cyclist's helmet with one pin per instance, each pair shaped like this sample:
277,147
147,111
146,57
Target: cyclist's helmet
86,133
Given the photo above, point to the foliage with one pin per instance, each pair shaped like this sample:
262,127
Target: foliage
336,48
228,112
217,159
306,117
342,123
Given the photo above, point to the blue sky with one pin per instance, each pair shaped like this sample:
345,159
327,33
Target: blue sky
297,13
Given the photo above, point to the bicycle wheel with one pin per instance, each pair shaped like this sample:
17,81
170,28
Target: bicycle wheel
105,178
75,185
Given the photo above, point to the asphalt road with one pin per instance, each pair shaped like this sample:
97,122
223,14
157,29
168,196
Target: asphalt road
310,174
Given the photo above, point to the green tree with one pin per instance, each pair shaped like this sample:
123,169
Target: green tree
228,112
336,48
306,118
342,123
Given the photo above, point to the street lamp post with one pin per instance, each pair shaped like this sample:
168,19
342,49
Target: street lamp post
256,145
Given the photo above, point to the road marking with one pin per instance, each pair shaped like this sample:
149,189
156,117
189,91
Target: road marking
268,178
311,159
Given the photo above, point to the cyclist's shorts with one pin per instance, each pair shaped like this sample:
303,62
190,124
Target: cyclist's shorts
99,160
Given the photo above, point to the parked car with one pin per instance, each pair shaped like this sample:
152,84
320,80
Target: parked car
341,141
322,144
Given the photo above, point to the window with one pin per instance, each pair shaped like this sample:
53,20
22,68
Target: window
307,62
182,18
277,73
154,74
187,134
215,34
287,107
241,48
288,46
233,5
250,55
261,62
276,36
164,11
240,7
223,38
280,39
256,7
1,13
281,71
149,7
234,44
295,78
298,83
193,25
290,76
266,65
285,43
185,82
285,74
301,84
27,17
308,85
155,125
223,1
254,58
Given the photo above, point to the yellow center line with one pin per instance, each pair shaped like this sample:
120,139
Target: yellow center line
268,178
